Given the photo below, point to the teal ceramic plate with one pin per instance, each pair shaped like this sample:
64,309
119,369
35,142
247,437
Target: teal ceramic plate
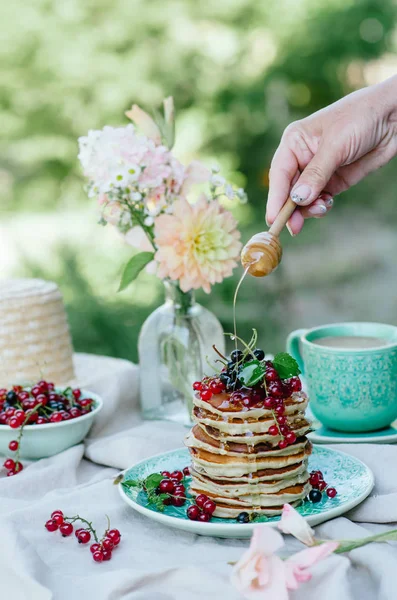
352,479
323,435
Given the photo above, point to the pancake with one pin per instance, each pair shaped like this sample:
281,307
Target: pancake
239,464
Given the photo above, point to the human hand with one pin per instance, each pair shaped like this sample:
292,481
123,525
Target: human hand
332,150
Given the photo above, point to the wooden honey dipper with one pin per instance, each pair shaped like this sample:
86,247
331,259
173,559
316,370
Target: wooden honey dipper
262,253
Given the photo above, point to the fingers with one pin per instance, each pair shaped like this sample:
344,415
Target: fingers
315,176
319,208
283,172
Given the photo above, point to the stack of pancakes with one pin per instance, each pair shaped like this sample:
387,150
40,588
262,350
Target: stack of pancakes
238,464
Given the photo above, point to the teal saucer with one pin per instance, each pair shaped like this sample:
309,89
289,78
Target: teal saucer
323,435
352,479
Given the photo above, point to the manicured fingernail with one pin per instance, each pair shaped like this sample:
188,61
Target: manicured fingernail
301,193
290,230
317,210
329,202
267,222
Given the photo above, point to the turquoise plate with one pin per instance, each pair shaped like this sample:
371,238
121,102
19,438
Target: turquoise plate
323,435
352,479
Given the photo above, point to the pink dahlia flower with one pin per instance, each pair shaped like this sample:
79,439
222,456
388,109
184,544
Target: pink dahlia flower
197,244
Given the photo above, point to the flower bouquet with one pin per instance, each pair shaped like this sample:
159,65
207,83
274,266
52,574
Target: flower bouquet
173,215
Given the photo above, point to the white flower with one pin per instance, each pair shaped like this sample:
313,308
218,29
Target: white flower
215,169
294,524
218,180
148,221
229,191
136,196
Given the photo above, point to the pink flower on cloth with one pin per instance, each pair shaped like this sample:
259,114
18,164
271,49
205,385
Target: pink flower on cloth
197,244
262,575
294,524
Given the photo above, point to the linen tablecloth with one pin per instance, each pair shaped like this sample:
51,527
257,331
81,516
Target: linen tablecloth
155,562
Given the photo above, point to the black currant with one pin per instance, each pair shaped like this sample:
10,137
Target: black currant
224,378
315,496
11,397
259,354
236,356
243,517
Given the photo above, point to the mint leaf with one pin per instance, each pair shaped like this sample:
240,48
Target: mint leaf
251,373
157,501
285,365
134,267
152,482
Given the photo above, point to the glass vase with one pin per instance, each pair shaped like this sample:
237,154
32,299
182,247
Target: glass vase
175,347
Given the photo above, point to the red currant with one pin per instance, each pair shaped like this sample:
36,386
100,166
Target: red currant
18,467
331,492
193,512
166,486
279,410
98,556
201,499
178,501
58,519
114,535
197,385
10,411
273,430
107,544
23,396
56,512
215,387
77,393
107,555
66,529
35,391
84,536
9,464
13,445
275,389
314,479
321,485
3,419
56,417
78,531
269,403
75,412
282,444
290,437
41,420
204,517
51,525
206,395
284,429
166,474
95,548
271,374
14,423
209,507
186,471
281,420
42,399
177,475
295,384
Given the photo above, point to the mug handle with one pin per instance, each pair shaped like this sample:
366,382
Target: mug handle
293,347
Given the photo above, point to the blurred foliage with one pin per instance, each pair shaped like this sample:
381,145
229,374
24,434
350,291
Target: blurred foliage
240,71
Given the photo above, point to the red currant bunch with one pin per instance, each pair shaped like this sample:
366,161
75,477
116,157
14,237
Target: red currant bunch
202,510
172,485
101,550
318,484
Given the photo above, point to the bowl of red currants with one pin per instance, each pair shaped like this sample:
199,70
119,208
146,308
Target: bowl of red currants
42,420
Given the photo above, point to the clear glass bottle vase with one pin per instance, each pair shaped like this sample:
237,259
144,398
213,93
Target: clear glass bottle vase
175,346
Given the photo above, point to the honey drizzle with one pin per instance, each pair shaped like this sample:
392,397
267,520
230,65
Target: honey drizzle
252,482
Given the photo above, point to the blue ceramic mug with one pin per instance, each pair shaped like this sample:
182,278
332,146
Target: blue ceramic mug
351,389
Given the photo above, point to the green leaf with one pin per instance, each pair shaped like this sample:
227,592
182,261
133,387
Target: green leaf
251,373
152,482
134,267
132,483
157,501
285,365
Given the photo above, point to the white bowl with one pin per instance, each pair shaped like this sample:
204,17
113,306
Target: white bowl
41,441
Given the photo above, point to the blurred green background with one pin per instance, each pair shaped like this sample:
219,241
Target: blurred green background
240,71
